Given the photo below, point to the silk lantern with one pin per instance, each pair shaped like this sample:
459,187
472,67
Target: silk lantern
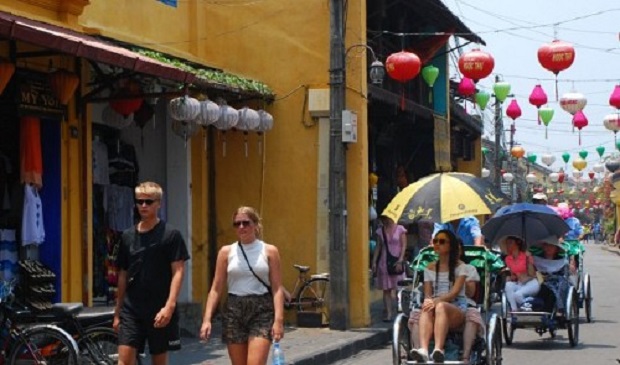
565,157
476,64
583,154
482,99
249,120
508,177
579,164
580,121
517,151
612,123
614,98
556,56
403,66
466,87
598,167
127,100
430,74
548,159
600,150
553,177
532,157
591,175
572,102
63,84
538,98
514,112
545,114
184,108
501,90
561,177
265,125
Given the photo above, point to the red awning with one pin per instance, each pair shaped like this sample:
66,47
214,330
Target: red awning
81,45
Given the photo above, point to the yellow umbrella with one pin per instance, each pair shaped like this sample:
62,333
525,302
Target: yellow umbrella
444,197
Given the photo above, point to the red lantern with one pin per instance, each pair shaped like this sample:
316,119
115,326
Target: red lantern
556,56
591,175
580,121
476,64
125,105
402,67
466,87
561,177
614,98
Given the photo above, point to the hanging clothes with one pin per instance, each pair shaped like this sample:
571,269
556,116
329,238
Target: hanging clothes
101,170
33,231
31,159
8,254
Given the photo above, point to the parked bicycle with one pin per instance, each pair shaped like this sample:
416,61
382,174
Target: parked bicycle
311,293
25,344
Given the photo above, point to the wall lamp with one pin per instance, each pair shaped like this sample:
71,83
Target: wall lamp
376,70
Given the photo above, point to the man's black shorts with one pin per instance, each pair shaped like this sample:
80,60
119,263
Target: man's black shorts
135,331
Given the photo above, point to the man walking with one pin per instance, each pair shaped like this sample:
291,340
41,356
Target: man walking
151,260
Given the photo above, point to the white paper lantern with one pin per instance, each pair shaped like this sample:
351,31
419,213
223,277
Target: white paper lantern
184,108
554,177
266,121
598,167
184,129
577,175
548,159
209,113
573,101
229,117
249,119
508,177
485,172
113,119
531,178
612,122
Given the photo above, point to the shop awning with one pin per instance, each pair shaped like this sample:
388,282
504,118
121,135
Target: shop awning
80,45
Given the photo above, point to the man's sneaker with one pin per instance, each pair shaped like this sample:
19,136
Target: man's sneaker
438,356
419,355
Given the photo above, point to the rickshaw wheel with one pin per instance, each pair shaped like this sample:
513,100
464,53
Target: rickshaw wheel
573,319
588,298
495,357
400,340
509,331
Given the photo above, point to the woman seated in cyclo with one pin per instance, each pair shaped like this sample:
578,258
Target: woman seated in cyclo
552,263
444,303
522,282
474,325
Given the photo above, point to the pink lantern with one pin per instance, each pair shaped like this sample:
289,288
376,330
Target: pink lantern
614,98
467,87
580,121
513,110
538,97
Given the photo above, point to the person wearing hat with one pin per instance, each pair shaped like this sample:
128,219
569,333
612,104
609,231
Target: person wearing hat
539,198
553,264
522,281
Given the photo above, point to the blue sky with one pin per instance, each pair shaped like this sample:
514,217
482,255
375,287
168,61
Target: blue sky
514,30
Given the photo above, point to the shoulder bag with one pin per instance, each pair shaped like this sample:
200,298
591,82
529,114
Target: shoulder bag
252,270
391,261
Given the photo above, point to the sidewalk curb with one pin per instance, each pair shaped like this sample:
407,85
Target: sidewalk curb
337,352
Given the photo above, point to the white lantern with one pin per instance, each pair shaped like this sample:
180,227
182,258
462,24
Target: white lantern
229,117
249,119
485,172
184,129
554,177
508,177
184,108
110,117
548,159
209,113
612,122
598,167
573,101
531,178
266,121
577,175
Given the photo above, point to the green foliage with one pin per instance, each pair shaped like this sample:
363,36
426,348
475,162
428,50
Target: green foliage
210,75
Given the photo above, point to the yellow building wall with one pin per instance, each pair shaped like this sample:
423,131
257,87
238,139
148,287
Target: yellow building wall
286,45
474,166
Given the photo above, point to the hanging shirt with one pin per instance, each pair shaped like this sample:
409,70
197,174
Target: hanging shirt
31,159
33,231
101,170
8,254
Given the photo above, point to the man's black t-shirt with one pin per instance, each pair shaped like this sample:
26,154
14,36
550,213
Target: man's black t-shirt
147,258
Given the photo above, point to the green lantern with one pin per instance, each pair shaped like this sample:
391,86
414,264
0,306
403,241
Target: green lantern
600,150
532,157
482,99
545,114
485,151
430,74
583,154
501,90
565,157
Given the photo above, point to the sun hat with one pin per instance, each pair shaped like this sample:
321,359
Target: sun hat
540,196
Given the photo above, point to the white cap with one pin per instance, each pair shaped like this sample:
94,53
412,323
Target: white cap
540,196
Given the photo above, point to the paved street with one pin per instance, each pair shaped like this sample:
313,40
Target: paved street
599,341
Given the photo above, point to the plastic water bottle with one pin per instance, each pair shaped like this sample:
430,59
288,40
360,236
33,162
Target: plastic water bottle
278,355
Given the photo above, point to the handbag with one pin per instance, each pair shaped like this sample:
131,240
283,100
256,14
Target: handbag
391,261
252,270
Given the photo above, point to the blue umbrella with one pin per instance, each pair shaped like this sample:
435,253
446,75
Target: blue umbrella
533,222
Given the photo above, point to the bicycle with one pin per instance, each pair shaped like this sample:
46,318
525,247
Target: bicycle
38,344
311,293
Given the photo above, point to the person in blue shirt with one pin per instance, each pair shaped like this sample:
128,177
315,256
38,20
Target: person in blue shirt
467,229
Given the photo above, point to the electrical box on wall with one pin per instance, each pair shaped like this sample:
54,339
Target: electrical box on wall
318,103
349,126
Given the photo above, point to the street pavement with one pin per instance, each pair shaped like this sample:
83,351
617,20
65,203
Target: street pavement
302,346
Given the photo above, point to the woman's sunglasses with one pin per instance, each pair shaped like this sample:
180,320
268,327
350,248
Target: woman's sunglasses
440,241
237,224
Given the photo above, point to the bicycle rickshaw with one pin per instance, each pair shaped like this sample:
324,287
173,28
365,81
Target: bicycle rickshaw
535,223
486,350
583,283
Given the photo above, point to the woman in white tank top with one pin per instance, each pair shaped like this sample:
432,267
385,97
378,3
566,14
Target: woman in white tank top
254,313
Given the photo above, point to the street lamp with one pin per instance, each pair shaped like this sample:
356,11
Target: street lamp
376,69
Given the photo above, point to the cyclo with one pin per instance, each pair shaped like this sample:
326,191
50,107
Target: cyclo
582,282
556,305
487,349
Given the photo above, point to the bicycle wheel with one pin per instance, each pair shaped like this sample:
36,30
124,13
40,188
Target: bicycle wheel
314,297
99,346
44,345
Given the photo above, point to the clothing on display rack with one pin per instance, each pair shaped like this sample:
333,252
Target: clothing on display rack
33,231
119,206
8,254
101,170
31,158
123,164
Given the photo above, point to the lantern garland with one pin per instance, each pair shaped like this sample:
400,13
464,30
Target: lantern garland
402,67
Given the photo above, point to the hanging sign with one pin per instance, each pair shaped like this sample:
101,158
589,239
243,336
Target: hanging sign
34,96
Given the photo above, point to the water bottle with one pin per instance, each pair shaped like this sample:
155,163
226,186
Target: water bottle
278,355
